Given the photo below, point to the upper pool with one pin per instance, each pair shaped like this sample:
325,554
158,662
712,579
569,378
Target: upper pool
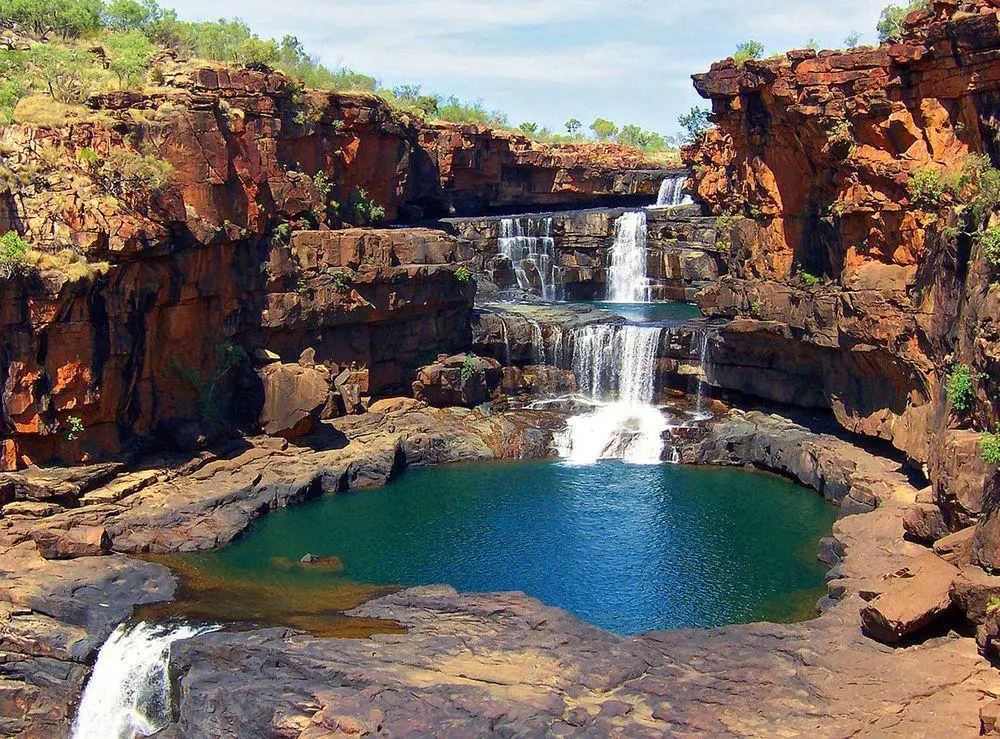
651,312
629,548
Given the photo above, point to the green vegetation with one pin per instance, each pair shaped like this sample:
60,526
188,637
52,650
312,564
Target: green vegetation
926,187
14,260
228,357
74,428
361,210
890,24
573,126
993,605
853,40
989,242
989,448
125,172
960,387
603,129
694,123
341,280
807,278
748,50
129,56
468,366
462,274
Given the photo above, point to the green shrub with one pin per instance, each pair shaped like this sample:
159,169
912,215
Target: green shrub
603,129
129,56
979,186
13,256
228,357
853,40
341,280
748,50
989,448
362,210
61,70
74,428
960,387
808,279
462,274
468,366
989,242
65,18
890,24
694,123
926,188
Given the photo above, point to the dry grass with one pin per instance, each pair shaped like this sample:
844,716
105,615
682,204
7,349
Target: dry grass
74,266
44,112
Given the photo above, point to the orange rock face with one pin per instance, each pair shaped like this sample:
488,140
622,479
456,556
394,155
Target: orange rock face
811,160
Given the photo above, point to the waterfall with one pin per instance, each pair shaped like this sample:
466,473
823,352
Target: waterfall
627,281
528,244
537,342
703,377
672,192
615,367
128,693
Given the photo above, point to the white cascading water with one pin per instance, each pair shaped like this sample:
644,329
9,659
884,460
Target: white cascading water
627,281
128,693
615,367
672,192
703,378
529,242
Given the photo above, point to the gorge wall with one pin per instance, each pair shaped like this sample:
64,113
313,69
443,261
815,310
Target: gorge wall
123,335
844,292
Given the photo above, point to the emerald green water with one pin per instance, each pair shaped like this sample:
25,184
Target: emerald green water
629,548
665,313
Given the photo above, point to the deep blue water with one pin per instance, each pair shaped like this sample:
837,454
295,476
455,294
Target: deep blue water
629,548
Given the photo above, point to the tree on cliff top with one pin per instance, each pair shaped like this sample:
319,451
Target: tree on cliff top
748,50
603,129
890,24
694,123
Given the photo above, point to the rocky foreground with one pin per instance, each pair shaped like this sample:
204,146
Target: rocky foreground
500,663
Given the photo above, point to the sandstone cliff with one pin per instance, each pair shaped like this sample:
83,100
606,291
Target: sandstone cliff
203,213
847,293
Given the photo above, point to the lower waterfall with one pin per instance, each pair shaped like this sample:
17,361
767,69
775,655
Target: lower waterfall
128,693
627,281
615,367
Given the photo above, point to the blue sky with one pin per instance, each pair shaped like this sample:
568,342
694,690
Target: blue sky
549,60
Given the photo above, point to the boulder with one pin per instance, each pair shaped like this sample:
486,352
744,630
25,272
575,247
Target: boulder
79,541
462,379
989,719
914,597
293,397
972,592
352,385
956,548
924,522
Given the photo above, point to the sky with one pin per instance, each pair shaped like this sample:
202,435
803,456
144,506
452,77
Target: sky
549,60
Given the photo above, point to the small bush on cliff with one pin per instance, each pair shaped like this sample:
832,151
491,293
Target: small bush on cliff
603,129
960,387
468,366
361,210
989,242
74,428
228,357
926,188
341,280
462,274
748,50
989,448
13,256
808,279
694,123
978,185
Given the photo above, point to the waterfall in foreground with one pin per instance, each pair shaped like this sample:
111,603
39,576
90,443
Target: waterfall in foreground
128,693
615,366
672,192
528,244
627,281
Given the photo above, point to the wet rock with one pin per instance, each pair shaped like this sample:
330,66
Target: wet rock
912,599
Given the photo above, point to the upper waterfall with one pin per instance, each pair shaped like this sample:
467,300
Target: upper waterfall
528,244
627,281
672,192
